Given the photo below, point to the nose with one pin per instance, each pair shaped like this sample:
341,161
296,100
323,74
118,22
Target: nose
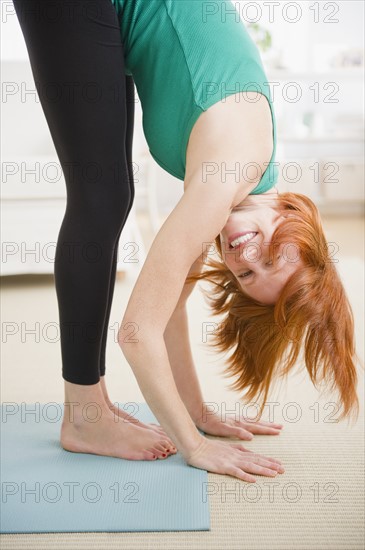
257,254
251,252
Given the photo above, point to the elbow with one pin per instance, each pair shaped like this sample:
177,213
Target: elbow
135,336
128,340
128,336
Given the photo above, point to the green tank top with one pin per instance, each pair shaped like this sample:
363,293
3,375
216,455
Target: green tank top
184,56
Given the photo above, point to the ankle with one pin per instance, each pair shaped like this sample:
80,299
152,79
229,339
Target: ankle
91,412
105,391
84,402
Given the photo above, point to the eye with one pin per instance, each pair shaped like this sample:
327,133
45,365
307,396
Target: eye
277,258
245,275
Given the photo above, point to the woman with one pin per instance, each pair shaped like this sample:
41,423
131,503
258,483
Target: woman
190,64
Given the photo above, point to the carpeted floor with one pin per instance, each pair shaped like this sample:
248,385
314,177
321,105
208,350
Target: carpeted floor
317,504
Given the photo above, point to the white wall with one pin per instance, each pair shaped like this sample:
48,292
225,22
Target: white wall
298,43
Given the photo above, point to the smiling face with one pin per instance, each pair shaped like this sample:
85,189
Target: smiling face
249,229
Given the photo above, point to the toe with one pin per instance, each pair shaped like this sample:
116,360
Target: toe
163,456
160,448
159,453
150,455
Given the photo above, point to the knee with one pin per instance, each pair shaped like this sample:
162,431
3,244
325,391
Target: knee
131,184
117,207
131,194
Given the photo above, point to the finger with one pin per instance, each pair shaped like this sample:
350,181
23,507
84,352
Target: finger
240,447
263,423
257,469
243,449
268,464
241,474
269,458
258,429
273,425
239,432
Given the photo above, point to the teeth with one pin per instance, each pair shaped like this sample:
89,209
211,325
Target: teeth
243,239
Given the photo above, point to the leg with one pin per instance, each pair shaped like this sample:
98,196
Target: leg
129,84
77,62
130,98
75,50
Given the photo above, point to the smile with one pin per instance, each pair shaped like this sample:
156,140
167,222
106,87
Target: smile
241,238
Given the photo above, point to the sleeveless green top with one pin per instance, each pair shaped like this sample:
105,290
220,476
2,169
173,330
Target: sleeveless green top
184,56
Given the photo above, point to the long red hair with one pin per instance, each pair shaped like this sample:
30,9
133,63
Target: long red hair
312,311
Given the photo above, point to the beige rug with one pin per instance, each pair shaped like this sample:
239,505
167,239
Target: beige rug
317,504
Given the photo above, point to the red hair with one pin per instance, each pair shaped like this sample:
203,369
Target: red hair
312,311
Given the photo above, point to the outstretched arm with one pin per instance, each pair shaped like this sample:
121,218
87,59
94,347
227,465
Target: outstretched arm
177,342
194,223
196,220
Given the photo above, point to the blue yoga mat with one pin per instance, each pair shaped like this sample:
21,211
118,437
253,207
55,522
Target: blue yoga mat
46,489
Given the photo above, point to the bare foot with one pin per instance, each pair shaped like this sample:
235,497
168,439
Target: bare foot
122,414
105,435
89,426
135,421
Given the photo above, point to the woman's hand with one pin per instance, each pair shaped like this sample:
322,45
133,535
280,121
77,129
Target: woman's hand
221,457
212,424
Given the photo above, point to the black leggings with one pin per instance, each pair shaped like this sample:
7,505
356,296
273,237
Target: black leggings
77,61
